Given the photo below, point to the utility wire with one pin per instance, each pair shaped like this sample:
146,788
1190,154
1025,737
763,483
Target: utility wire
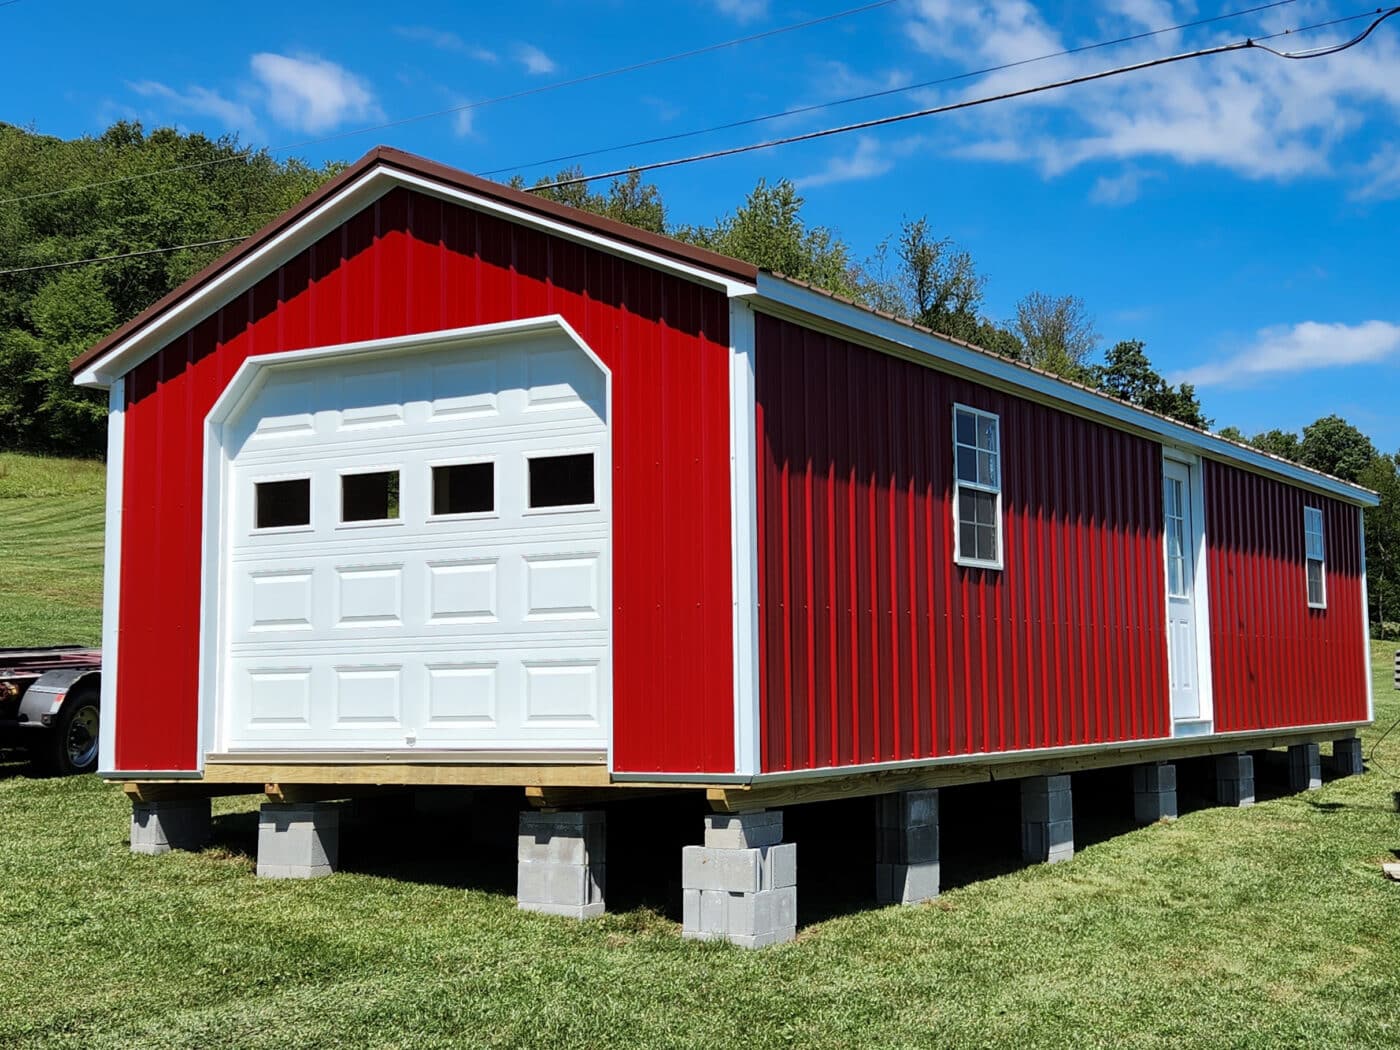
451,110
1241,45
877,122
124,255
799,110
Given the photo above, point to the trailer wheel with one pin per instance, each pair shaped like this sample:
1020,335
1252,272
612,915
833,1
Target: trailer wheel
72,745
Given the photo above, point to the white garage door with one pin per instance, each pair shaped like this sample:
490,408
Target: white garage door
416,552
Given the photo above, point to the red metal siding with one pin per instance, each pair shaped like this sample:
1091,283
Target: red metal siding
874,645
1274,661
408,264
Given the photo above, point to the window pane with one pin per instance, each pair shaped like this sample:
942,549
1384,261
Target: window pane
967,464
1176,576
987,542
1316,593
967,539
987,469
987,433
369,497
464,488
280,504
986,505
966,427
561,481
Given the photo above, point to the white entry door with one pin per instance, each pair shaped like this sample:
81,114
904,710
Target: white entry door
416,553
1182,658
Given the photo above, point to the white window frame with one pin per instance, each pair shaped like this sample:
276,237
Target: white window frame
462,461
368,523
563,508
958,485
1308,515
273,530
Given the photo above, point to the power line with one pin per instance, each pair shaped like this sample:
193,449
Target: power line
800,110
1004,96
451,110
124,255
1241,45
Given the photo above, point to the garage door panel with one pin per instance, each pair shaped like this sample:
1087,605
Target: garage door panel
488,629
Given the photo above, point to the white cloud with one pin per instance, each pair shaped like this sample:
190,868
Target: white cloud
1247,112
236,116
1302,347
535,61
312,94
1120,189
445,40
1381,175
742,11
870,159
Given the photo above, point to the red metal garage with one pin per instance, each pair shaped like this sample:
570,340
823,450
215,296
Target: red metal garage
433,481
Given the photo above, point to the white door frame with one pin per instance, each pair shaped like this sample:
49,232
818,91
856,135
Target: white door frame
1200,597
244,384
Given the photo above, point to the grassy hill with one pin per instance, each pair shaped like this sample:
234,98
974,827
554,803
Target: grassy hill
51,513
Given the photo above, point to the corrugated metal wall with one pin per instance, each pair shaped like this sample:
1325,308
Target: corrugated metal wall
874,646
409,264
1276,662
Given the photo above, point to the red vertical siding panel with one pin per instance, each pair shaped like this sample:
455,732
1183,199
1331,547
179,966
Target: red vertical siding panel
1274,661
931,658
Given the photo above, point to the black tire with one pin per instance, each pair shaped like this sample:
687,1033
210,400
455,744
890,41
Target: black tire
71,746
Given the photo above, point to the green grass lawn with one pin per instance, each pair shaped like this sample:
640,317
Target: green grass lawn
51,514
1264,927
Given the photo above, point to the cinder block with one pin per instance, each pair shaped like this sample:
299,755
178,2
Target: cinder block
1234,779
1346,757
906,883
297,840
753,914
560,869
1304,767
906,809
744,830
568,911
1047,842
159,827
1047,799
1154,792
739,870
574,837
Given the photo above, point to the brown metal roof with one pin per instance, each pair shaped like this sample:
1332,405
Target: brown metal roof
415,165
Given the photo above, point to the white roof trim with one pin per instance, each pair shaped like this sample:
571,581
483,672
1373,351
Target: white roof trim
862,325
350,199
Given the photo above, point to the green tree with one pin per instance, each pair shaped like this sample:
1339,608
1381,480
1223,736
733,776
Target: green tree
627,199
1128,374
1383,541
1334,446
1282,443
769,230
216,190
1057,332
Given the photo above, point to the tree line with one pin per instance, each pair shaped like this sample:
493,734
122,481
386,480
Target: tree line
219,189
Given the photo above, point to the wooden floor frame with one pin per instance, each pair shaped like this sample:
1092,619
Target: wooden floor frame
563,785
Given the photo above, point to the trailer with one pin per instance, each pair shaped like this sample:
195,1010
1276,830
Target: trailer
51,706
434,482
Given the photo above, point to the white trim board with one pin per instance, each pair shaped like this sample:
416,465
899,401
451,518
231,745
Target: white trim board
743,459
112,573
783,298
351,199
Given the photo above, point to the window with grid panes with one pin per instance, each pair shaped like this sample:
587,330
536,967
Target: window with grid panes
1316,558
977,487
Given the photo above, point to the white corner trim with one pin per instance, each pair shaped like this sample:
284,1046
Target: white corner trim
1205,679
112,573
1366,623
743,473
349,200
783,298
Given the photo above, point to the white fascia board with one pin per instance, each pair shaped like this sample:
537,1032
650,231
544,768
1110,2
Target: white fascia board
1366,625
350,200
786,299
112,575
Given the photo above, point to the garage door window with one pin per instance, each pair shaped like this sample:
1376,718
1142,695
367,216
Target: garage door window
282,504
464,488
369,497
561,481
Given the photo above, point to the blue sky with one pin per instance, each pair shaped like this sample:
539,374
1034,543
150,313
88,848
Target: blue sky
1240,214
